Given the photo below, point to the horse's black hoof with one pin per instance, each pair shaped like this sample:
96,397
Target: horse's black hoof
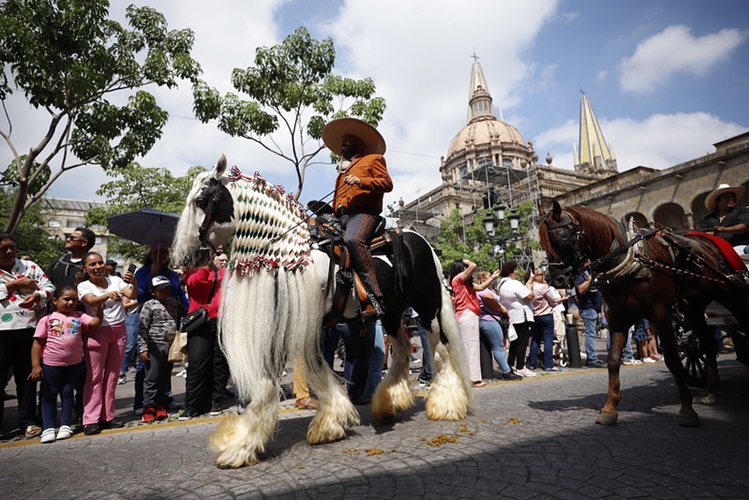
607,418
689,420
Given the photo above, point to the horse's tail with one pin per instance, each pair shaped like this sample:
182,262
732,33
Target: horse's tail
452,366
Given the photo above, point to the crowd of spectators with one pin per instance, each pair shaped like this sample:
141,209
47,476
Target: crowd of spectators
81,327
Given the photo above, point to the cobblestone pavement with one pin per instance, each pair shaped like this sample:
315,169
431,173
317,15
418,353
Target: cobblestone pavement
530,439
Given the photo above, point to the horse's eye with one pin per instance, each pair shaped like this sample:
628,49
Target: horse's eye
201,201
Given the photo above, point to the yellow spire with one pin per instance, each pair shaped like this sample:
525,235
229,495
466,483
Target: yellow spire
479,99
594,154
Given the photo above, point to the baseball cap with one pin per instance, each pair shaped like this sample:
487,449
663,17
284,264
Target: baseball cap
160,282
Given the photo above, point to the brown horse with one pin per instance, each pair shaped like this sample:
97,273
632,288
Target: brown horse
655,275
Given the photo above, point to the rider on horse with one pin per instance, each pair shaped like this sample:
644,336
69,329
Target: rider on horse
359,191
727,219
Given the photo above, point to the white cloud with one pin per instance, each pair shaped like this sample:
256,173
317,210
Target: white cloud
675,50
418,55
659,141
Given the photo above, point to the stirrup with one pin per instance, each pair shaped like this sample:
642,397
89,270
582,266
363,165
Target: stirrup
372,310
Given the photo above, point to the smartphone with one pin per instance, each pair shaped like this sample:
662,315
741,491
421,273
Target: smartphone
131,268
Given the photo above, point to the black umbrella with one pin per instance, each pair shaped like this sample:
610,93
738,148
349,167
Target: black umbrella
145,226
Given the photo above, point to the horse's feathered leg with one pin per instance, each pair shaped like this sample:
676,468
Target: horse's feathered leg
394,393
335,413
451,395
256,352
239,440
609,414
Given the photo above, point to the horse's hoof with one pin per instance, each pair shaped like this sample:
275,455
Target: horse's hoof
607,418
689,420
708,400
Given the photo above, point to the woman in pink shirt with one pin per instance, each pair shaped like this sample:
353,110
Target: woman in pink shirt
542,330
467,311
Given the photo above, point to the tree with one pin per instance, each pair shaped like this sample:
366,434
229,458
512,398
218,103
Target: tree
141,187
290,87
464,236
69,59
42,247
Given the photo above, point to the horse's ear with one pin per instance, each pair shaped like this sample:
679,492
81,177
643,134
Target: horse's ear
541,209
220,166
556,210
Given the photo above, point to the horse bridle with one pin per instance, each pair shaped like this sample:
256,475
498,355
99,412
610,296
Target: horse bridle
566,235
208,204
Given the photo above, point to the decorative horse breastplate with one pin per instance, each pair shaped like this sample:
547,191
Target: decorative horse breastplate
270,233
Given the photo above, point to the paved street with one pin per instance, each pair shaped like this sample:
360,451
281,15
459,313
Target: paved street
529,439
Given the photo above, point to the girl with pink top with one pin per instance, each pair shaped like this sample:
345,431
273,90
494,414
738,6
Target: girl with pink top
542,330
467,311
57,356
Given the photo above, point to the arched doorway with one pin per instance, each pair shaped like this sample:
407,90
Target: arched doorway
640,220
671,215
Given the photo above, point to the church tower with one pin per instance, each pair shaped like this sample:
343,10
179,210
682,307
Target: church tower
593,155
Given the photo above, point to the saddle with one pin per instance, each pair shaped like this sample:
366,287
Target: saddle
327,234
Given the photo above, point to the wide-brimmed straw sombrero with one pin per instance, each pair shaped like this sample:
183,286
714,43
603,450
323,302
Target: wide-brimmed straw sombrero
723,188
334,131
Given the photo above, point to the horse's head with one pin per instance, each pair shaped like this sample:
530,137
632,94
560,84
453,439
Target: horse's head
560,238
207,220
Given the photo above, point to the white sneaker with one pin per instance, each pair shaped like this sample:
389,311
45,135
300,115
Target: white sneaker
65,432
525,372
48,436
648,360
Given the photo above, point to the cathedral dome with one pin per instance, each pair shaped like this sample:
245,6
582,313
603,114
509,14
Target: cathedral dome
482,133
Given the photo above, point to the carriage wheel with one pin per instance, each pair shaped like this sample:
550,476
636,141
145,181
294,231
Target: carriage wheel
692,358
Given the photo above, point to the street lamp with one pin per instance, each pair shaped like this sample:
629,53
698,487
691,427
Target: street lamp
514,221
489,224
499,209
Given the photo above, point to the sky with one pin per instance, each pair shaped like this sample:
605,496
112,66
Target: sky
666,78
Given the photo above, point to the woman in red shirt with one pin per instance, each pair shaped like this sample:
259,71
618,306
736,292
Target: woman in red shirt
207,370
467,311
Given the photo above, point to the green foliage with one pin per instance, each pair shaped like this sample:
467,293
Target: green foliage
464,237
140,187
67,57
42,247
290,88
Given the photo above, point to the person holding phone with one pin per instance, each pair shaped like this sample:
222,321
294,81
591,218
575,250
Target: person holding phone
590,304
131,327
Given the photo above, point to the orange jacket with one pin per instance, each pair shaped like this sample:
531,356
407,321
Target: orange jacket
375,181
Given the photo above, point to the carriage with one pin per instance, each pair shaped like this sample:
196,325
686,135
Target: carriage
729,337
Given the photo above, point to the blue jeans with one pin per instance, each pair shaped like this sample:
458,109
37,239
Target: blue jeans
590,319
131,326
59,381
492,331
542,331
376,356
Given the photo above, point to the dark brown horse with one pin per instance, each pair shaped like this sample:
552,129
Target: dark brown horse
655,275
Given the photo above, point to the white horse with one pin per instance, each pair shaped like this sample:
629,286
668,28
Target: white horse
273,301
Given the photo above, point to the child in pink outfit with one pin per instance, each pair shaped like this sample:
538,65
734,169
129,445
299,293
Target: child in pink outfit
57,356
